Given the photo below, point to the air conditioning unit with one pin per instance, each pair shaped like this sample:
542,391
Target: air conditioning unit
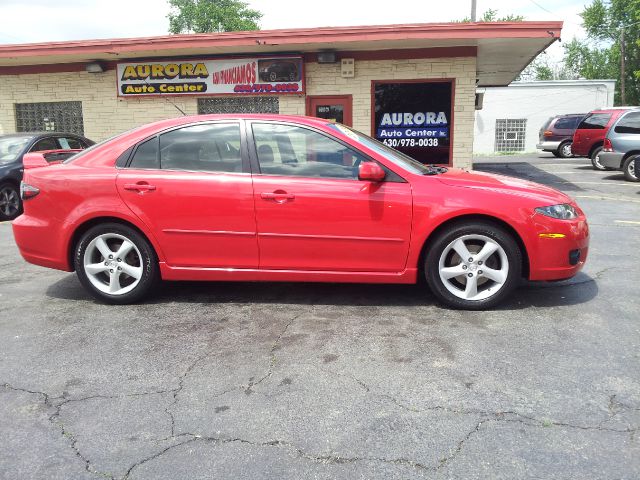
479,100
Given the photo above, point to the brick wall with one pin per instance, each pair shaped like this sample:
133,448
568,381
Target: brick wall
105,114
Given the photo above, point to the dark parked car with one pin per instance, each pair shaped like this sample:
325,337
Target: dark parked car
556,135
591,132
278,71
13,147
621,148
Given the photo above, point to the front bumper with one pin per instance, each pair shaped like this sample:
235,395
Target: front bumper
561,248
611,159
548,146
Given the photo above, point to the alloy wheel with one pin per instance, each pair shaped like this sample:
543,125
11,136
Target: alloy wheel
113,264
566,150
9,201
473,267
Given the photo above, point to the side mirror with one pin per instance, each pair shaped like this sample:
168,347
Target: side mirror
371,171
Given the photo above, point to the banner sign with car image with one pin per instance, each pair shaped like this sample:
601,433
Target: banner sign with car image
415,117
255,76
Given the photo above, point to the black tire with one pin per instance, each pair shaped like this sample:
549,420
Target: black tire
564,150
146,260
439,246
595,161
555,153
273,76
10,202
630,168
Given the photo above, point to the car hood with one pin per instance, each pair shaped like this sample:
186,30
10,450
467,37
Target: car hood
456,177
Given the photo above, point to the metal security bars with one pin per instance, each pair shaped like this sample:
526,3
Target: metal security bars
510,134
239,105
50,116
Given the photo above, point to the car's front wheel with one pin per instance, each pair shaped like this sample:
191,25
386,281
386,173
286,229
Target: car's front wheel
115,263
10,204
473,266
629,168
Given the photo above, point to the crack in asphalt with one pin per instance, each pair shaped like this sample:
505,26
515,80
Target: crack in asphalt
300,453
272,356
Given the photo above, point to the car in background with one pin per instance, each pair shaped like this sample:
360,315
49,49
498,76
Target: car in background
621,147
588,138
286,198
278,71
556,135
14,146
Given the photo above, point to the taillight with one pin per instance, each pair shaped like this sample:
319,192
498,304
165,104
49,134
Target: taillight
28,191
547,133
606,146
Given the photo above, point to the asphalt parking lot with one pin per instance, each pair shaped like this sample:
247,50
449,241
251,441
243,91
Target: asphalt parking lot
290,381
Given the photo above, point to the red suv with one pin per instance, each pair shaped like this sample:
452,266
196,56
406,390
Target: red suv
590,134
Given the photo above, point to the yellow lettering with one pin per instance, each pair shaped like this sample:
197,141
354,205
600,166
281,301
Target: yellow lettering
200,71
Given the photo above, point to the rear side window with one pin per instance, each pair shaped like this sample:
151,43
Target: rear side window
71,143
565,123
202,148
595,121
630,123
146,155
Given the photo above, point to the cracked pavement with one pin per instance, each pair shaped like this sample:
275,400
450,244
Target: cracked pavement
289,381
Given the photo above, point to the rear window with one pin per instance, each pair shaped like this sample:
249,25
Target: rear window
595,121
630,123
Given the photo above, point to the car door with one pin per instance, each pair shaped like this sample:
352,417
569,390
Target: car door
312,211
192,187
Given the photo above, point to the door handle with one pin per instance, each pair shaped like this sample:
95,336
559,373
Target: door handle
279,196
139,187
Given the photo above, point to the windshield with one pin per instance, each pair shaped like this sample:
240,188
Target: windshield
398,158
11,148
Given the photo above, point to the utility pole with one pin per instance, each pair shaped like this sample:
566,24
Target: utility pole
623,96
473,10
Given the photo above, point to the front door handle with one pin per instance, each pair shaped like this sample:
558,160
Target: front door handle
140,187
280,196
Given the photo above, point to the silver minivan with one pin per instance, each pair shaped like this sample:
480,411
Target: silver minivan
622,145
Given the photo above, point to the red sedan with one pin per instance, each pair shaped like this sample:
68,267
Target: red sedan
278,198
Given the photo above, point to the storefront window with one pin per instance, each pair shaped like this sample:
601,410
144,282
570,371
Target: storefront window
415,118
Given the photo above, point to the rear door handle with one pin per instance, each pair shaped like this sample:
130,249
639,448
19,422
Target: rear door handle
139,187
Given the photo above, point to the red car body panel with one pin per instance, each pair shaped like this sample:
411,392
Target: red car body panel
244,226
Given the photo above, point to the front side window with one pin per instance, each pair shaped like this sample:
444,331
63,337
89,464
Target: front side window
202,148
595,121
45,144
299,152
630,123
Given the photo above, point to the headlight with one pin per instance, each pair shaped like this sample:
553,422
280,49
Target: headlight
564,211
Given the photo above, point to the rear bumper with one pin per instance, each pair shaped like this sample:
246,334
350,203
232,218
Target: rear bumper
29,232
561,248
548,146
611,159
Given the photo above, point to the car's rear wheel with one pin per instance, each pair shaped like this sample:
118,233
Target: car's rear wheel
115,263
273,76
10,204
595,160
564,150
629,169
556,153
473,266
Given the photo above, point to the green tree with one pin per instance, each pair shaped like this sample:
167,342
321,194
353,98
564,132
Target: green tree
202,16
491,15
614,52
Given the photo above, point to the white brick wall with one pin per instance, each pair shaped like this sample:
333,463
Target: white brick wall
105,114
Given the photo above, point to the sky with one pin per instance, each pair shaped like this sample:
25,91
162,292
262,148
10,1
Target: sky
26,21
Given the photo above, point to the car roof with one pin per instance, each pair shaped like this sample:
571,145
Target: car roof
613,109
38,134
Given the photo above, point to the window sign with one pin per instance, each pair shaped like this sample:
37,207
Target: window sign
415,118
255,76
